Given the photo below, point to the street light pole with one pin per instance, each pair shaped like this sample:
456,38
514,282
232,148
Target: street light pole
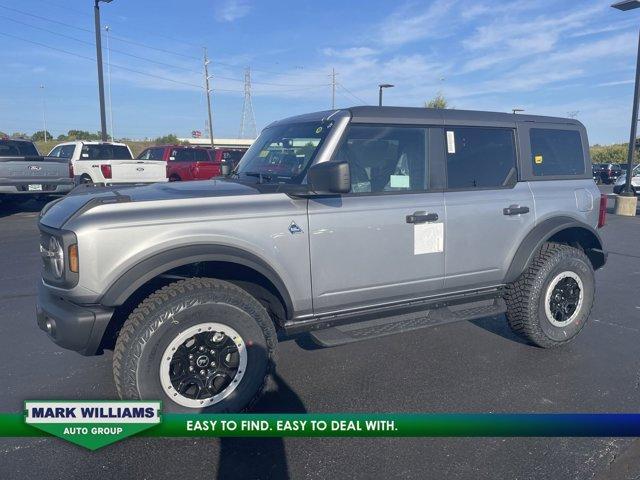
103,118
380,87
44,112
107,29
628,190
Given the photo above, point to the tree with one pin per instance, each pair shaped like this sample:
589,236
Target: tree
437,102
169,139
39,136
83,135
19,135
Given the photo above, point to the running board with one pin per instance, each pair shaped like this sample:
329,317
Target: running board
380,327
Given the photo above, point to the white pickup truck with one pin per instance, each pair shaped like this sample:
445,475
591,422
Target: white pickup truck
109,163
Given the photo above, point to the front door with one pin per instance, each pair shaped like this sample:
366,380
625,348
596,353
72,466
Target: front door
383,242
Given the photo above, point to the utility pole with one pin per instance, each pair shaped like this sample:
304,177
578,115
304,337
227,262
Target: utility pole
333,89
103,119
44,112
106,27
206,86
248,120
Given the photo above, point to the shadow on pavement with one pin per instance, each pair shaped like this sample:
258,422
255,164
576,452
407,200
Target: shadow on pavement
260,457
29,206
498,326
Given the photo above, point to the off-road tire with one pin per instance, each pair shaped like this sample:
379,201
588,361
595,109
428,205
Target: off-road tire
85,179
163,315
526,296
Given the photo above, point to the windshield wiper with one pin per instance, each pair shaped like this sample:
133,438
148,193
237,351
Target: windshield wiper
260,176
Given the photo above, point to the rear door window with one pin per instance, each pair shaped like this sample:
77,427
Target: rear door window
12,148
201,156
183,155
104,152
556,152
479,157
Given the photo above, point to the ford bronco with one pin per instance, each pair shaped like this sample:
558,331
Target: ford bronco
347,224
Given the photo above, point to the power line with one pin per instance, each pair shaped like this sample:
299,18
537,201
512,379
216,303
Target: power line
352,94
121,39
92,59
69,37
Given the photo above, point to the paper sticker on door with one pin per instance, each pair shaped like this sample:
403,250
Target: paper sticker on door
451,142
428,238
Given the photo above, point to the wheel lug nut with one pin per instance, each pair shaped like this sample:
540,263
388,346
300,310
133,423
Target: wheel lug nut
191,355
191,369
202,372
201,349
212,352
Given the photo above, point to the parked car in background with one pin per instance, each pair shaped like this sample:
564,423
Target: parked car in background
25,174
622,180
608,172
193,163
108,163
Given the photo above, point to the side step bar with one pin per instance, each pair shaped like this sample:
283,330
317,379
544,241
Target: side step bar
380,327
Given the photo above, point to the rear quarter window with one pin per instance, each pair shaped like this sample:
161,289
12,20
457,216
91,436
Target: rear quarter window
556,152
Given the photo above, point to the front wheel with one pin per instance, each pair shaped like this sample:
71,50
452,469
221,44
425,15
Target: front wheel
200,345
551,301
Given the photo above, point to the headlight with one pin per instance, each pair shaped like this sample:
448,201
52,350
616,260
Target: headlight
53,256
59,252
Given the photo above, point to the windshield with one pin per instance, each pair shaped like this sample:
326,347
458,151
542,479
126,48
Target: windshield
282,153
11,148
105,151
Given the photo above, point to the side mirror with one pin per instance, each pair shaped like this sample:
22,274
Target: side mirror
330,177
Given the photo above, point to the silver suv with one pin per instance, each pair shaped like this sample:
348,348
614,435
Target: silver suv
348,224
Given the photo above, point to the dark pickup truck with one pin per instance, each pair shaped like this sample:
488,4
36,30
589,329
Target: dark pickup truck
24,173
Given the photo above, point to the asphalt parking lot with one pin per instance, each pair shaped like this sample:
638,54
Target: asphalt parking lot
475,366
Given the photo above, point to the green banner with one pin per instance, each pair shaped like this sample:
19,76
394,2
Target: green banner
320,425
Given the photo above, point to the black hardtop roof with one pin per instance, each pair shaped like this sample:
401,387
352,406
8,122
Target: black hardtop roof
404,115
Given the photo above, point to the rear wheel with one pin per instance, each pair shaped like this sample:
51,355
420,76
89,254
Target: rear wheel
201,345
551,301
85,179
174,178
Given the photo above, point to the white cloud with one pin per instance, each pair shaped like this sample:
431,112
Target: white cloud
231,10
409,24
353,52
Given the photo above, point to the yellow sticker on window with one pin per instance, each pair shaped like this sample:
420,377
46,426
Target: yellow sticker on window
263,153
537,159
318,130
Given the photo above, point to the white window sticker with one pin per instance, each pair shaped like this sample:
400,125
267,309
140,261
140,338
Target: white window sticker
451,142
428,238
399,181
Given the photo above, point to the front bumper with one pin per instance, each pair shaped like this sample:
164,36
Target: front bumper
74,327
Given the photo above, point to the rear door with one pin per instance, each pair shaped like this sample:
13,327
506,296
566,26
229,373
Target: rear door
381,243
488,211
205,167
183,161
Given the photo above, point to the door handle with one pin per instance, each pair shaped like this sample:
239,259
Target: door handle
515,210
422,217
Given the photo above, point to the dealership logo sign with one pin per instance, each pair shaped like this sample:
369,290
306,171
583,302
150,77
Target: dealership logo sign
92,424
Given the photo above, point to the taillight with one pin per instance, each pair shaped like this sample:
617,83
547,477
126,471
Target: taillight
106,171
602,214
71,170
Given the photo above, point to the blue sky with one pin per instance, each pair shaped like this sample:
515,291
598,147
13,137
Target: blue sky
547,56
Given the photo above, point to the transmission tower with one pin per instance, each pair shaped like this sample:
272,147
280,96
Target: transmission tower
248,122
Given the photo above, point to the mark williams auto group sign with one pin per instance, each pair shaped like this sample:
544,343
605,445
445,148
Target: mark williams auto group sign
92,424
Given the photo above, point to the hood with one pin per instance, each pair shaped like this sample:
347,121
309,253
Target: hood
85,197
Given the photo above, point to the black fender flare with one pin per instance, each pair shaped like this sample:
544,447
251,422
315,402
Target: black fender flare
583,233
154,265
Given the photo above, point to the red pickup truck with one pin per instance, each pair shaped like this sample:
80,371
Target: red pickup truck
193,163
